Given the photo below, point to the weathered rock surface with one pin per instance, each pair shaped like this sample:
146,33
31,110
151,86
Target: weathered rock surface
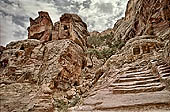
136,48
45,66
70,27
54,61
167,52
144,18
103,33
41,27
130,88
1,49
136,78
56,65
24,97
50,72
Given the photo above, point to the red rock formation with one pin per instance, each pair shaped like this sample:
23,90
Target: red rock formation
70,27
34,76
1,49
144,18
167,52
55,66
41,27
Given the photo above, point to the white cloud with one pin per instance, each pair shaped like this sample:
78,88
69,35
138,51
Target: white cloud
98,14
9,29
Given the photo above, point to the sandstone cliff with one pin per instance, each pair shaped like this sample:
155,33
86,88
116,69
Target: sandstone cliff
62,65
50,61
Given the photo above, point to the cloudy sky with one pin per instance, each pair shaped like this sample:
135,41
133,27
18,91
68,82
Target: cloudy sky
98,14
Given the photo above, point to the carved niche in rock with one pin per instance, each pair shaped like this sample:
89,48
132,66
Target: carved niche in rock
136,50
145,46
55,31
72,27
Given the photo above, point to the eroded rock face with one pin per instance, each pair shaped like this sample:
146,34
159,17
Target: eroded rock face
52,63
70,27
142,27
143,19
43,69
41,27
31,61
138,49
1,50
167,52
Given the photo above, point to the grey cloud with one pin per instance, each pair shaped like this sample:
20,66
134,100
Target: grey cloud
86,4
119,14
109,22
118,3
62,2
20,20
75,7
67,6
46,1
20,35
105,7
3,13
7,2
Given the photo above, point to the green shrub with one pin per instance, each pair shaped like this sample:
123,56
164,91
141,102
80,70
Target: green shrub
94,41
106,40
101,54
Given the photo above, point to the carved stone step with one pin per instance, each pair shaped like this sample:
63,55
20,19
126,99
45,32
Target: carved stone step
165,75
135,82
138,90
165,71
140,72
138,78
162,65
133,70
136,75
163,68
137,86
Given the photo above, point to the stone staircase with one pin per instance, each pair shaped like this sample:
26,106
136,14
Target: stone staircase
136,89
164,71
135,82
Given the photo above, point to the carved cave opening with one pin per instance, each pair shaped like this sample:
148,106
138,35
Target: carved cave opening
136,50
